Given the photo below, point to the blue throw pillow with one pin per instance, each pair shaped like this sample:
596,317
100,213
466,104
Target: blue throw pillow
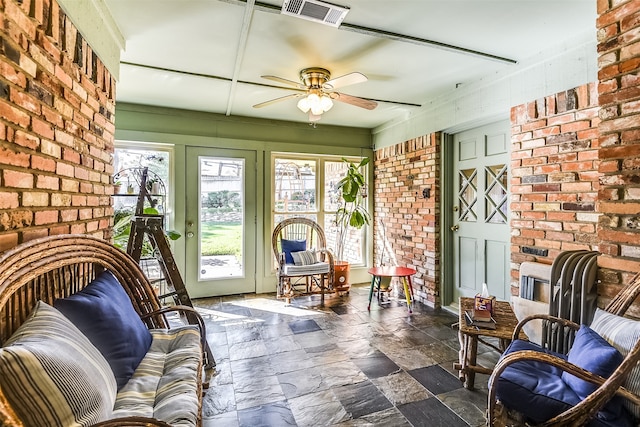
289,246
591,352
105,315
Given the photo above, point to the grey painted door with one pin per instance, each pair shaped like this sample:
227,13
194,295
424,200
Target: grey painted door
480,222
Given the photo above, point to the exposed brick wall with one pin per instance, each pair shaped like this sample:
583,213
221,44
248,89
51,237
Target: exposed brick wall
554,175
411,223
57,104
619,98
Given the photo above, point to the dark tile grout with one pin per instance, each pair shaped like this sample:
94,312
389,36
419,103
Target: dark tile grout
340,364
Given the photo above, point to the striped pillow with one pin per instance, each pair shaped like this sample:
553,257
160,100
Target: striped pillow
52,375
304,257
623,334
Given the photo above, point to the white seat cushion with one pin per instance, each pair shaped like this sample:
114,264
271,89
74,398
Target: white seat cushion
164,386
306,270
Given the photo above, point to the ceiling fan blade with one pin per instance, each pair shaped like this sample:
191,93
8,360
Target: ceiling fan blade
282,98
285,81
347,79
354,100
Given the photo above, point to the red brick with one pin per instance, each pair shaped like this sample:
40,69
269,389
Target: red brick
48,182
12,178
46,217
8,241
69,215
13,114
13,158
25,101
65,169
9,200
43,163
42,128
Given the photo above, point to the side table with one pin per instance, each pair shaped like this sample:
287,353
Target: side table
404,273
469,336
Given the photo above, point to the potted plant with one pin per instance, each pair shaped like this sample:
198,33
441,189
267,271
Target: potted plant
352,214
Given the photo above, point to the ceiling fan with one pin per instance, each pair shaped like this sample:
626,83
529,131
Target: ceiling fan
318,91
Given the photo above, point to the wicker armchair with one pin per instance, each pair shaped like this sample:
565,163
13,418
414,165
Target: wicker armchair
617,384
310,274
58,266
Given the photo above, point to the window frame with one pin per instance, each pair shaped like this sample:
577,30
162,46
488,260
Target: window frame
320,213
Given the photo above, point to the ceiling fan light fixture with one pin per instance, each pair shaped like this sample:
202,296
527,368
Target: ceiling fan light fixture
318,104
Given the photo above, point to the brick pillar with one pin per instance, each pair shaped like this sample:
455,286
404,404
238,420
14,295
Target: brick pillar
57,104
619,98
554,169
411,223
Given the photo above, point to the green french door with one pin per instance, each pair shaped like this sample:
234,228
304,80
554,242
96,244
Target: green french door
480,212
220,222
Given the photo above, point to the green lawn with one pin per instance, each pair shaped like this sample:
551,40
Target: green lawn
221,238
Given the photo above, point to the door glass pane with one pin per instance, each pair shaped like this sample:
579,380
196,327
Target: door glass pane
496,194
221,217
295,185
467,195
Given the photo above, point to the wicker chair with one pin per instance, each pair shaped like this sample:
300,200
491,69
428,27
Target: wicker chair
58,266
583,412
313,276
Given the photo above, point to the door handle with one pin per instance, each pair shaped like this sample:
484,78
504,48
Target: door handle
190,234
455,228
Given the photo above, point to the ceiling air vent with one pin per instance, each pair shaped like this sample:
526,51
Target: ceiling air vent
314,10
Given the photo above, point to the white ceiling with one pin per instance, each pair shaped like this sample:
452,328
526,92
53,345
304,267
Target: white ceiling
208,55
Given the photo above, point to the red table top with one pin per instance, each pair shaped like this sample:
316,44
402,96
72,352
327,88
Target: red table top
390,271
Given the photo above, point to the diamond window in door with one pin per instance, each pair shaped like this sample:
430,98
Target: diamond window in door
468,195
495,194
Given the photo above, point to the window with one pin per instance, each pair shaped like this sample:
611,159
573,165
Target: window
306,186
127,160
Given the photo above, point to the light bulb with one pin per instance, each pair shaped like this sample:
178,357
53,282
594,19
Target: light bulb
304,104
326,103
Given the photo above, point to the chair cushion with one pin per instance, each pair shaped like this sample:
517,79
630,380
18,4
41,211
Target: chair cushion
623,334
52,375
304,257
289,246
592,353
537,390
534,389
104,313
306,270
164,386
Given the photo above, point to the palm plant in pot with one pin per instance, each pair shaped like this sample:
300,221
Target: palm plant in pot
352,214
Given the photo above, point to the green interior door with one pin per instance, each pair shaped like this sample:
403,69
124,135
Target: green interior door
220,222
480,223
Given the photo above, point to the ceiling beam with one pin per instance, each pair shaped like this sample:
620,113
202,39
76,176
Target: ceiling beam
266,7
240,51
226,79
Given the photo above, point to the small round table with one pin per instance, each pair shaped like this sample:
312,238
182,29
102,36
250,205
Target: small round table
404,273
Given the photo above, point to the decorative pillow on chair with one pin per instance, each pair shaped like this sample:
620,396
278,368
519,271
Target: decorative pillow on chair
52,375
304,257
104,313
623,334
592,353
289,246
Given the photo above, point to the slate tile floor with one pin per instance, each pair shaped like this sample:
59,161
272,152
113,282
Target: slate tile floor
337,365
